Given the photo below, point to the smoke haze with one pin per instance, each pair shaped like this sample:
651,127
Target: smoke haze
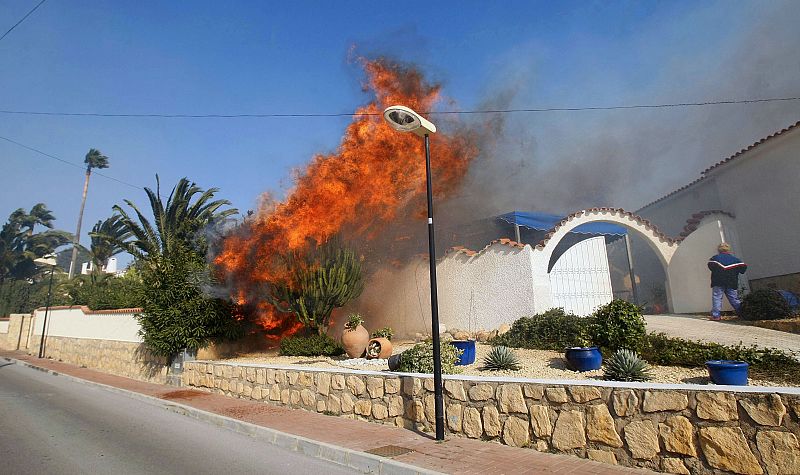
564,161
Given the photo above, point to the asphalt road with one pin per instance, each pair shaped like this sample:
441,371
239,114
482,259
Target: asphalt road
52,425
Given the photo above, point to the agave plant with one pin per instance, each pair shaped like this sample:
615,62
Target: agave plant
501,358
625,365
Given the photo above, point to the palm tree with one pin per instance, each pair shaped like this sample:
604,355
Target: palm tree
18,248
94,159
107,238
38,215
170,249
176,224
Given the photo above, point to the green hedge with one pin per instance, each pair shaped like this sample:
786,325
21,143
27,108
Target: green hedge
551,330
312,345
765,363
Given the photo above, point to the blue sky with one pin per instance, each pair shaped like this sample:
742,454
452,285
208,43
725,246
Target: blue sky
292,57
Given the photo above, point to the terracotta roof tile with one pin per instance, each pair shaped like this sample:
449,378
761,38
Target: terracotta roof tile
619,212
86,310
470,252
691,223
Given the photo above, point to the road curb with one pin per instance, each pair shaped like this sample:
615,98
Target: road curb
359,461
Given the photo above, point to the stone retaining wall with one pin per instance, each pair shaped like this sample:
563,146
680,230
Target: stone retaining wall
659,427
16,335
122,358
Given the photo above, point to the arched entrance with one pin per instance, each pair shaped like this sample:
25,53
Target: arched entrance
663,246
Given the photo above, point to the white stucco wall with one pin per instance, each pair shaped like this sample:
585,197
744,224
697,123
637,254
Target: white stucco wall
671,214
476,292
486,290
396,297
4,326
74,323
763,192
689,276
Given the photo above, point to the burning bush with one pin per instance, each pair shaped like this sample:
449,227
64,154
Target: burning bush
372,187
317,282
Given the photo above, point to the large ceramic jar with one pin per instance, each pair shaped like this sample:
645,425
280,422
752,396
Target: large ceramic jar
355,341
380,348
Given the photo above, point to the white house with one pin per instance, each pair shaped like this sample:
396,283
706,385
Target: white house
109,268
758,190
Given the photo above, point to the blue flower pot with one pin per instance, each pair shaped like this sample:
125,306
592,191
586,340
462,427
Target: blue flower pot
583,359
728,372
467,348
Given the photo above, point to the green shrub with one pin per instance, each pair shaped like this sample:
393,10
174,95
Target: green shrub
765,363
551,330
419,358
618,324
104,291
177,313
312,345
625,365
501,358
764,304
23,296
386,332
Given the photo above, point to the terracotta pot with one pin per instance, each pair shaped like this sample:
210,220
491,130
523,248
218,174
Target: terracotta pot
383,350
355,341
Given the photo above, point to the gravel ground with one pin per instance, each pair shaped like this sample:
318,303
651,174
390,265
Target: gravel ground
537,364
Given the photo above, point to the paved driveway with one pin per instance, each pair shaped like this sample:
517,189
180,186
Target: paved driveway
724,332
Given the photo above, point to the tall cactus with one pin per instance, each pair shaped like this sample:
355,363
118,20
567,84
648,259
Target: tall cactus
319,282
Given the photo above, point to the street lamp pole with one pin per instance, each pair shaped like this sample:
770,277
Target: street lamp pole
404,119
52,263
437,357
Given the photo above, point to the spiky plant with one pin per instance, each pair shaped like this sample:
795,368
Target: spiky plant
625,365
501,358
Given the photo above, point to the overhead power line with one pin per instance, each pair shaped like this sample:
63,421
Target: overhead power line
67,162
22,19
364,114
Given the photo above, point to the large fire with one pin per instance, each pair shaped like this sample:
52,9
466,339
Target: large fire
373,185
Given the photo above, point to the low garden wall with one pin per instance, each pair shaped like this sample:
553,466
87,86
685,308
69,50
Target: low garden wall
105,340
122,358
670,428
14,331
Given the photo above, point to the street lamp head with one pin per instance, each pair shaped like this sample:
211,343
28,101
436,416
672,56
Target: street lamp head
403,119
48,260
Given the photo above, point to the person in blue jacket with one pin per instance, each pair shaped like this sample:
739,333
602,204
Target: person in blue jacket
725,269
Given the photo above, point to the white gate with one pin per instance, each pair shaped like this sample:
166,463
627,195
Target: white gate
580,280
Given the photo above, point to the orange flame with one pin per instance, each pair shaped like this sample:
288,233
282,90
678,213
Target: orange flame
375,177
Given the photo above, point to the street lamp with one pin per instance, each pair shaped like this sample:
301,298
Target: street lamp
403,119
48,260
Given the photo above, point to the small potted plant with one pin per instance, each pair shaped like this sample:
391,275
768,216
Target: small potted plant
583,357
467,348
355,336
380,346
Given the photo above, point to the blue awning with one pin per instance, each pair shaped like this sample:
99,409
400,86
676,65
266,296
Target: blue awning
546,221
